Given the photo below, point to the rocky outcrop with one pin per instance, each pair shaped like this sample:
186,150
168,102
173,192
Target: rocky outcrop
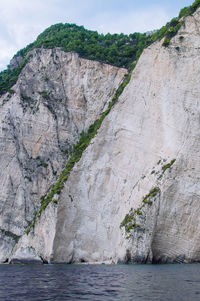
57,96
15,62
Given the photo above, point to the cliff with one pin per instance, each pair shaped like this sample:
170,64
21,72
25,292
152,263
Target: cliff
142,166
57,96
134,194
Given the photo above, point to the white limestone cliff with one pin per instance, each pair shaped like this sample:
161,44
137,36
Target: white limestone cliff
149,140
156,120
57,96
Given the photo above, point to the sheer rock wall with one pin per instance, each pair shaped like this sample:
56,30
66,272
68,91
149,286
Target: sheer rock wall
57,96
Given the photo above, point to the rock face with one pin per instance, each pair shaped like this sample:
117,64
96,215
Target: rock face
141,170
15,62
156,120
26,255
57,96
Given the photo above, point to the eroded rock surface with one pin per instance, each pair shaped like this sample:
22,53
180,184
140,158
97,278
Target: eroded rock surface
156,120
57,96
149,142
25,256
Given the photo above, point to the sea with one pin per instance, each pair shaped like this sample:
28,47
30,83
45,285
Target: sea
100,282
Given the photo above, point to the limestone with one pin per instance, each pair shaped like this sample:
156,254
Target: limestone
6,247
57,96
41,238
149,139
15,62
25,256
155,121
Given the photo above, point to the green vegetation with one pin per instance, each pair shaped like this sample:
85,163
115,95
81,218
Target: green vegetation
171,28
152,193
129,222
29,178
10,234
9,77
167,32
41,162
168,165
76,154
116,49
44,94
187,11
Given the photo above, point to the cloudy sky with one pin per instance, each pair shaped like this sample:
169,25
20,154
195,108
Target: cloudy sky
22,20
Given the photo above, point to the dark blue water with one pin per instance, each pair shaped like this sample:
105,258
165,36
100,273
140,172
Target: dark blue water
100,282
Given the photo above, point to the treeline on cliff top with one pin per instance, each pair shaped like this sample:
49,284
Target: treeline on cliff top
117,49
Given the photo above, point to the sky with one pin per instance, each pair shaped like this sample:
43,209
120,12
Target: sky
21,21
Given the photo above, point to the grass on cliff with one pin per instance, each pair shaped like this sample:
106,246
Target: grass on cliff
168,165
129,222
10,234
116,49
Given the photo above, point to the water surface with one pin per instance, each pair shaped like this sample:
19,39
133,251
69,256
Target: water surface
100,282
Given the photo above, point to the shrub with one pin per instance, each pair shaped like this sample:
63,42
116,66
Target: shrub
168,165
44,94
129,222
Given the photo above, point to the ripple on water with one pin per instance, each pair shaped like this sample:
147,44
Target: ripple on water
100,282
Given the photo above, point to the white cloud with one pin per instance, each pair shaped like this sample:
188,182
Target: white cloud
19,27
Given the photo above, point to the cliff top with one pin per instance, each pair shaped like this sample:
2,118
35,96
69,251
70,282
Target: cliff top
116,49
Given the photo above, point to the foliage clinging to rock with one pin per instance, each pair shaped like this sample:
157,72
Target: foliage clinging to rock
168,165
129,222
